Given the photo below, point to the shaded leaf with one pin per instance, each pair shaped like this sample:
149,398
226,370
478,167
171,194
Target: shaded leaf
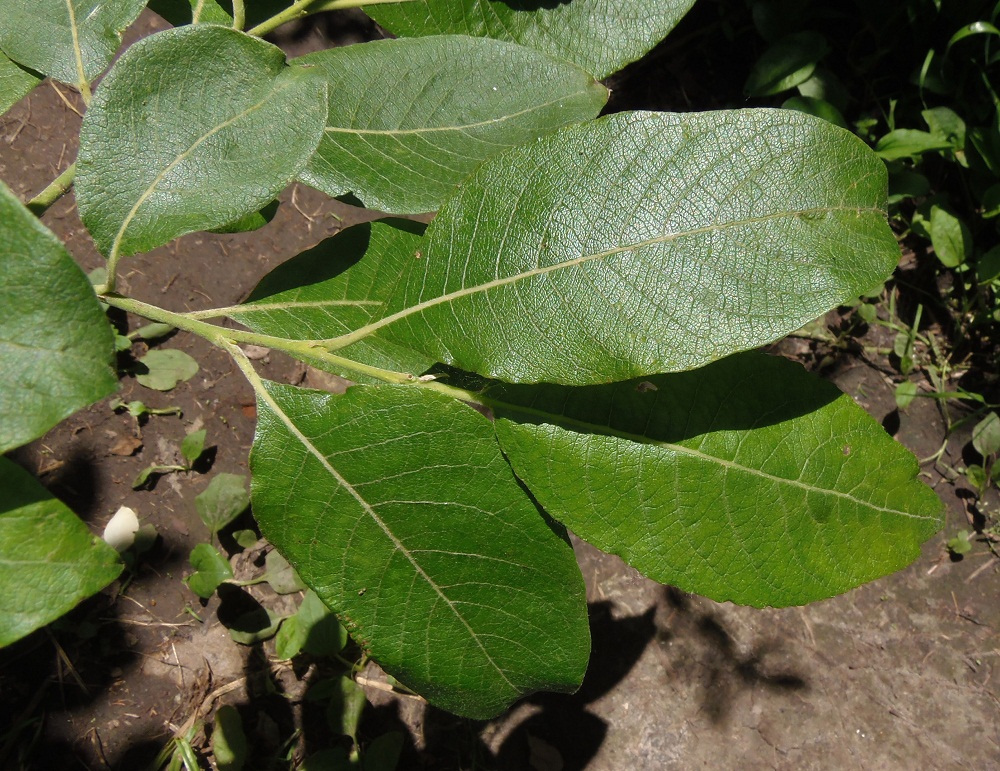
65,38
748,480
336,287
281,575
229,741
986,435
818,107
222,501
602,36
644,242
191,130
343,711
951,238
254,626
15,83
397,508
253,221
165,368
455,102
179,12
786,64
211,569
56,346
49,559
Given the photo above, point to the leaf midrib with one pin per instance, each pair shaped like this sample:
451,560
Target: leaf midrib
561,421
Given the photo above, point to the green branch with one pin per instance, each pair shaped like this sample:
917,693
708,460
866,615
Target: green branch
56,189
302,8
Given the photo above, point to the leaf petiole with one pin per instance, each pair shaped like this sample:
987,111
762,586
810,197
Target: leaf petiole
55,190
302,8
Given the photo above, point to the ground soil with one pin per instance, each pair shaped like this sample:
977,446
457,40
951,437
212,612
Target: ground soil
894,675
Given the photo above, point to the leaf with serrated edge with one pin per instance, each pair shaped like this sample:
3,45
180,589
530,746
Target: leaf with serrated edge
748,480
644,242
455,102
49,560
56,346
65,39
602,36
338,286
397,508
192,129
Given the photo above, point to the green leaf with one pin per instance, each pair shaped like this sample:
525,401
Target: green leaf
179,12
192,129
249,222
818,107
960,543
909,143
193,445
644,242
991,202
245,538
382,754
986,435
602,36
65,39
336,287
945,124
951,238
281,575
229,741
211,569
49,559
153,331
455,102
749,480
222,501
165,368
15,83
397,508
313,628
988,266
255,626
906,392
786,64
904,183
56,346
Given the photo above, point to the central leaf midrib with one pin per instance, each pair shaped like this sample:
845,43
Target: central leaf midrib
585,258
561,421
456,127
370,511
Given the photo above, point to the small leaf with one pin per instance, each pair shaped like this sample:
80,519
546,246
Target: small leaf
909,143
325,635
56,346
748,480
786,64
991,202
382,754
818,107
343,712
642,243
602,36
193,445
976,475
211,569
192,129
945,124
153,331
249,222
951,238
229,742
988,266
986,435
245,538
180,12
49,560
222,501
15,83
289,639
906,392
66,38
455,102
904,183
281,575
960,543
255,626
165,368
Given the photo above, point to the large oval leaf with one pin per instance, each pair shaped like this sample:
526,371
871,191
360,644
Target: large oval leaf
748,480
412,118
339,285
192,129
602,36
49,560
645,242
69,40
56,346
396,506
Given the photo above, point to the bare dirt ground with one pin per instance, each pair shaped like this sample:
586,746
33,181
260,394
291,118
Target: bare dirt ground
898,674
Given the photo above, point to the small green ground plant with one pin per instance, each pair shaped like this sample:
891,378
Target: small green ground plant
568,344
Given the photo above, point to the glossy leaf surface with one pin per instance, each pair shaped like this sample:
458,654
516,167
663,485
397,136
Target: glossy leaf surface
56,346
192,129
602,36
747,480
336,287
49,560
456,101
645,242
397,508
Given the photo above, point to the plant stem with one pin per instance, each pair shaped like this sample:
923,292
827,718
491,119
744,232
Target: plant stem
301,8
239,14
56,189
303,350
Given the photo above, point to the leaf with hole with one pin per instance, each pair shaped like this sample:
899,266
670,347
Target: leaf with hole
398,497
601,36
456,101
749,480
44,547
56,345
642,243
189,131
